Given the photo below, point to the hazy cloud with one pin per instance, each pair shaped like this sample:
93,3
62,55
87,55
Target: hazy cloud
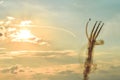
56,71
1,2
14,69
42,54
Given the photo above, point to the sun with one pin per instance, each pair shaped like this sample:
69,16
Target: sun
24,34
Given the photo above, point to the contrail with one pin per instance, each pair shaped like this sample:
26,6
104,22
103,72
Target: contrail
50,27
61,29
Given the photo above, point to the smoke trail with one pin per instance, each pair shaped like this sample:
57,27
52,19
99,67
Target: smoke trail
61,29
50,27
26,24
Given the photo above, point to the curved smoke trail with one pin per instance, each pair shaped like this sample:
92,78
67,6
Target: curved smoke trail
51,27
61,29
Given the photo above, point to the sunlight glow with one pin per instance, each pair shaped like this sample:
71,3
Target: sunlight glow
24,34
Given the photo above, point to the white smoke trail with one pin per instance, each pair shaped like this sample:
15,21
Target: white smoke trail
61,29
50,27
56,28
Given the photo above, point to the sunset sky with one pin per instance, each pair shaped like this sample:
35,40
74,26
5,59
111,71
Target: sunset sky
71,15
62,24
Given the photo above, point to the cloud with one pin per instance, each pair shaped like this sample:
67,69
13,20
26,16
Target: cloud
42,54
106,70
16,72
1,2
47,72
12,31
58,72
13,69
45,58
112,63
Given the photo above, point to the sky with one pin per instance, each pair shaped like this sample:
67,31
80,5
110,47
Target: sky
71,15
62,23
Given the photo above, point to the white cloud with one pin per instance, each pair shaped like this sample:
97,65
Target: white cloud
9,31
